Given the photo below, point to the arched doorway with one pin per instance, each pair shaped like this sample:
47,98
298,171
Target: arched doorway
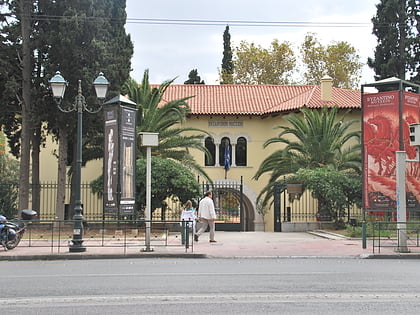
234,208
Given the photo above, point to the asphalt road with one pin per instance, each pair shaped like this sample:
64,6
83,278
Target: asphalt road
211,286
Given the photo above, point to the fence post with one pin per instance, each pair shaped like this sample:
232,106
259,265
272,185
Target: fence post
187,234
183,234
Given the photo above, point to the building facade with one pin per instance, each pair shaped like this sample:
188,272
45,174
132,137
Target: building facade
239,120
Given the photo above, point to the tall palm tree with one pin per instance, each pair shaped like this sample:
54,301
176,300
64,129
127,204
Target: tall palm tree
166,118
316,139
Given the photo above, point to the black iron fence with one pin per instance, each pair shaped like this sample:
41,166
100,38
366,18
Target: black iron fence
304,208
395,235
92,204
128,235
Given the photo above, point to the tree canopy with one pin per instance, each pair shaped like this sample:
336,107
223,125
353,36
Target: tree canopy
194,78
339,60
315,139
78,38
226,74
279,64
397,27
169,180
257,65
166,118
335,191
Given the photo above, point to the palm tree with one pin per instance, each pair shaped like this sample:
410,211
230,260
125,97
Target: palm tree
315,140
166,118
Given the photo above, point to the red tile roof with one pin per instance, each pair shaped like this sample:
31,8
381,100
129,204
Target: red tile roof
257,99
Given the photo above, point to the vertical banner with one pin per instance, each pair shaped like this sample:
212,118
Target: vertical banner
381,140
111,161
127,160
382,132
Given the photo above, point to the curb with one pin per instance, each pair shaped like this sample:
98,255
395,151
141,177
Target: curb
99,256
194,256
390,256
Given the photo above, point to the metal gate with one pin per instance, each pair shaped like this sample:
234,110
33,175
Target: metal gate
228,203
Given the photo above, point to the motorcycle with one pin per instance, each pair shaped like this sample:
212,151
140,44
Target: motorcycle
11,232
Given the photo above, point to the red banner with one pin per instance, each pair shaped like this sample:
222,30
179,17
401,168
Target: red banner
382,134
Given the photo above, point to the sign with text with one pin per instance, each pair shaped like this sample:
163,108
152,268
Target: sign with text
385,131
119,160
128,161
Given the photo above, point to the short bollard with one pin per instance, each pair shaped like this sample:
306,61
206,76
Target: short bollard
187,236
183,227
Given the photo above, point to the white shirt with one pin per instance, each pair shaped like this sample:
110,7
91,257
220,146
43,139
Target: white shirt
206,209
188,215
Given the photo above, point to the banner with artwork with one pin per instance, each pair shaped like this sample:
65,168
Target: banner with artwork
385,131
128,161
119,160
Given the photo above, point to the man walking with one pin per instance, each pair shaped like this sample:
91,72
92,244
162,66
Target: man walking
206,215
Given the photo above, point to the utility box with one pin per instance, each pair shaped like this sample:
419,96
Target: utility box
415,134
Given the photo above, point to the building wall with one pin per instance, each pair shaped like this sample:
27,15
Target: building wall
256,130
49,164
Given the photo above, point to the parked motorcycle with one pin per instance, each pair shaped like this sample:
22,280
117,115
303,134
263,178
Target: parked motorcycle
11,232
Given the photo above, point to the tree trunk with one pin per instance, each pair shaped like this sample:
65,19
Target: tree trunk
62,173
26,12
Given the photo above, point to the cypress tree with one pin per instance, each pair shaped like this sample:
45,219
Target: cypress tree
80,38
194,78
227,64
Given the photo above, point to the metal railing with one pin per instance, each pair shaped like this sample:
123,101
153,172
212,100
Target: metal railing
387,234
305,208
124,234
92,203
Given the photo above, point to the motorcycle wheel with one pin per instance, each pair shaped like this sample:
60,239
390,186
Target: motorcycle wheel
12,244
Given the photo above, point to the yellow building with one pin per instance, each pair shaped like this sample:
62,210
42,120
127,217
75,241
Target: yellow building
242,117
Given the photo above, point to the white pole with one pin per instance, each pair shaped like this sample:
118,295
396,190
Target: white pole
148,197
401,202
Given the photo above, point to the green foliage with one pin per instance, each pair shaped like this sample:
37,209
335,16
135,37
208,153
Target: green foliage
166,119
9,178
396,26
194,78
257,65
226,74
169,180
316,139
339,60
276,65
335,190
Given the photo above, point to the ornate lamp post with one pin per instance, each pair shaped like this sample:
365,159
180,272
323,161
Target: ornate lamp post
58,87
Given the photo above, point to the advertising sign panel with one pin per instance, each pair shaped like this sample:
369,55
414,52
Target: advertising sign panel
119,160
127,160
385,126
111,161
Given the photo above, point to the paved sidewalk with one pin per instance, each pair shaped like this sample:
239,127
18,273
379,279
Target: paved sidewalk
229,245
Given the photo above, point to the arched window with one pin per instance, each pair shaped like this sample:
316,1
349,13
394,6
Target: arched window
225,149
209,144
241,148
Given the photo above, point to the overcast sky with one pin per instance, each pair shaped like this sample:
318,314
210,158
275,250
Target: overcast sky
172,50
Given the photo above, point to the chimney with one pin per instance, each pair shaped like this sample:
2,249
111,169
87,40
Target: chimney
326,88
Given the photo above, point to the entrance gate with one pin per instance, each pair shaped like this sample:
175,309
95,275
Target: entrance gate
229,205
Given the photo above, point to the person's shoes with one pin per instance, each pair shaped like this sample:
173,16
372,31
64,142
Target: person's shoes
196,237
213,241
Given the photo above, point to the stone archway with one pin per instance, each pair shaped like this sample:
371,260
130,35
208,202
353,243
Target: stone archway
250,219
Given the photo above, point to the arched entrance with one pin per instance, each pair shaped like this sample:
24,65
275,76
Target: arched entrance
234,208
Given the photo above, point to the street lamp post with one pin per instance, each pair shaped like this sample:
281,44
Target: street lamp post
58,87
